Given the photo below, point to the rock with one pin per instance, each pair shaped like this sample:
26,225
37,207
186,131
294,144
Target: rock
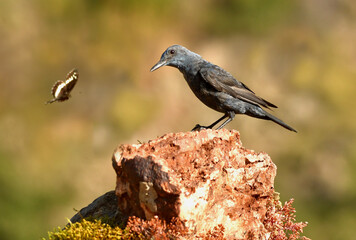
206,179
104,207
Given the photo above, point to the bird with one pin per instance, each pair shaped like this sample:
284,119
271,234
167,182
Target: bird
61,89
217,88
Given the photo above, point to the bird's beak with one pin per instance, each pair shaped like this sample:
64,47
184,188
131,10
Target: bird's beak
158,65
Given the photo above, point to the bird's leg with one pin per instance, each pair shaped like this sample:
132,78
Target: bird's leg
217,121
231,116
198,127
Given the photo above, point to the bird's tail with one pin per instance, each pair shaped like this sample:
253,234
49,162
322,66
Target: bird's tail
278,121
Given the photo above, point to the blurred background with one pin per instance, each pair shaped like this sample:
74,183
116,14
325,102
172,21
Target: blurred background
300,55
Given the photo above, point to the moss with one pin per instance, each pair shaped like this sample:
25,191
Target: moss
91,230
136,228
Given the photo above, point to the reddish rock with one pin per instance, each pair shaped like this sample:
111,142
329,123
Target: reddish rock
205,178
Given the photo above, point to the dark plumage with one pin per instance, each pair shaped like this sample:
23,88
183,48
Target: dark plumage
216,88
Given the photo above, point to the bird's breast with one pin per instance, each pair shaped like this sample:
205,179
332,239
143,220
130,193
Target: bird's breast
205,92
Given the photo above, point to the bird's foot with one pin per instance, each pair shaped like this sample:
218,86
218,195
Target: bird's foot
198,127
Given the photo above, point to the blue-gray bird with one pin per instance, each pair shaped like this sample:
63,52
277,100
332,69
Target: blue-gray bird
217,88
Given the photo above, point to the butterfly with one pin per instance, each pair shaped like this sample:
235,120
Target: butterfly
61,89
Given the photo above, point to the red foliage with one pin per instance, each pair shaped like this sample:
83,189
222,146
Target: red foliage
216,234
160,230
280,222
156,228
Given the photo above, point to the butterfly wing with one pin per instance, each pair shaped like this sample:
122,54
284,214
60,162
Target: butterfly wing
71,80
58,89
59,92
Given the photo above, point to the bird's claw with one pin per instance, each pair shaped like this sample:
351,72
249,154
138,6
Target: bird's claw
198,127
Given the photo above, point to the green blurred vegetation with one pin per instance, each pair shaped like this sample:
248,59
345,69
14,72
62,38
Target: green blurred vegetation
300,55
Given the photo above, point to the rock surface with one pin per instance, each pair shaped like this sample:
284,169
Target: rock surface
104,206
204,178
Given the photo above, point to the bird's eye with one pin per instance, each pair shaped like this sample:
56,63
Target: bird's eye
172,51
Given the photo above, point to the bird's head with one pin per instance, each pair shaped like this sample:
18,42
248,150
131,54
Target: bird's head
174,56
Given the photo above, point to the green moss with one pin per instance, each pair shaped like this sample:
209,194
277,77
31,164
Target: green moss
90,230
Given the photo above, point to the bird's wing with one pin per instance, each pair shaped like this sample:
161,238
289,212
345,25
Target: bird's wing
71,79
225,82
